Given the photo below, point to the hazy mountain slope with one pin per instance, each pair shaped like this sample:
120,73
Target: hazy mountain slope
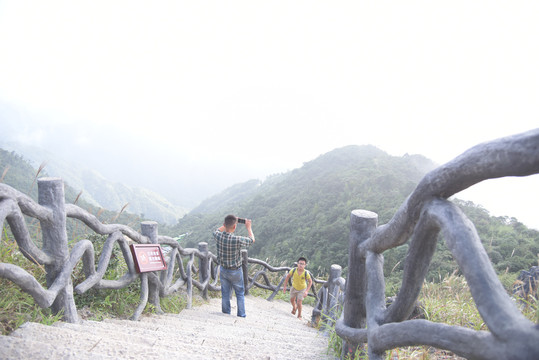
143,202
100,192
307,212
228,198
20,175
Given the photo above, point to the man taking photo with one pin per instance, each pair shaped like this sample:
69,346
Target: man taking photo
229,248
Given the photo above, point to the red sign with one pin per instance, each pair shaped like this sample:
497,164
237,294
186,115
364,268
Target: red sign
148,257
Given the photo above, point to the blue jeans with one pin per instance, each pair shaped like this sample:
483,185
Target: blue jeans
232,279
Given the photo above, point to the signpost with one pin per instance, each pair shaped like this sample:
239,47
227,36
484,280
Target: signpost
148,257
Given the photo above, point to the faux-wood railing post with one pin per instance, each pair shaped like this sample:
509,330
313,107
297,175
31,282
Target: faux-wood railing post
150,230
333,302
203,266
244,264
362,225
51,195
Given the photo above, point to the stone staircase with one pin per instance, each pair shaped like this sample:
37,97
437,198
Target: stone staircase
269,331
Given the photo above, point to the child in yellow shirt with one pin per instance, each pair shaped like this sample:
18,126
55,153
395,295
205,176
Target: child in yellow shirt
301,284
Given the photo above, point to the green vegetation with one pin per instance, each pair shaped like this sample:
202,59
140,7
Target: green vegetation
302,212
307,212
17,307
447,301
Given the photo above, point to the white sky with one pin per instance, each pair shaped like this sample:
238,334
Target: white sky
274,84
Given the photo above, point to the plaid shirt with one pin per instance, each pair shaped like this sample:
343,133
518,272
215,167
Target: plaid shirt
229,247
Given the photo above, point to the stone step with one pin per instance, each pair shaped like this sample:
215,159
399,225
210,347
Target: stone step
105,344
275,319
269,331
160,326
166,334
14,348
260,308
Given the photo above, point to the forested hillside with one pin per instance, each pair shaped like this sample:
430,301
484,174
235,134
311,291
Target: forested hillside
306,212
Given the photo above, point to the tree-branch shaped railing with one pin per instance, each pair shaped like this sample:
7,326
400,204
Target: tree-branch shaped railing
265,274
365,317
59,261
330,299
426,213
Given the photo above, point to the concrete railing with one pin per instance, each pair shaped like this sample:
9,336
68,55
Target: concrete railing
186,267
426,213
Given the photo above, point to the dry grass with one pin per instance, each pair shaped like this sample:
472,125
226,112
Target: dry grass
450,302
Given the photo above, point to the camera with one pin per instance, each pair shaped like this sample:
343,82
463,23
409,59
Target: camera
241,221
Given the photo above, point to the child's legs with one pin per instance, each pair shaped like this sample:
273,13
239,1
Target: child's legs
293,302
296,297
300,303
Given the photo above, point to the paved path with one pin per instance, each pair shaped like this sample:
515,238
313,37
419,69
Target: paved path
268,332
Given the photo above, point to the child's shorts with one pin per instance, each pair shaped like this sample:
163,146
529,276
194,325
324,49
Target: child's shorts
298,294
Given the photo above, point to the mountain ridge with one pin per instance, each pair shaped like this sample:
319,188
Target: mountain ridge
334,181
306,212
96,190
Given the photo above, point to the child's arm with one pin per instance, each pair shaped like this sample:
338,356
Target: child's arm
309,286
286,282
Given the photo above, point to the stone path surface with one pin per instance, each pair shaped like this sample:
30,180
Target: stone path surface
268,332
